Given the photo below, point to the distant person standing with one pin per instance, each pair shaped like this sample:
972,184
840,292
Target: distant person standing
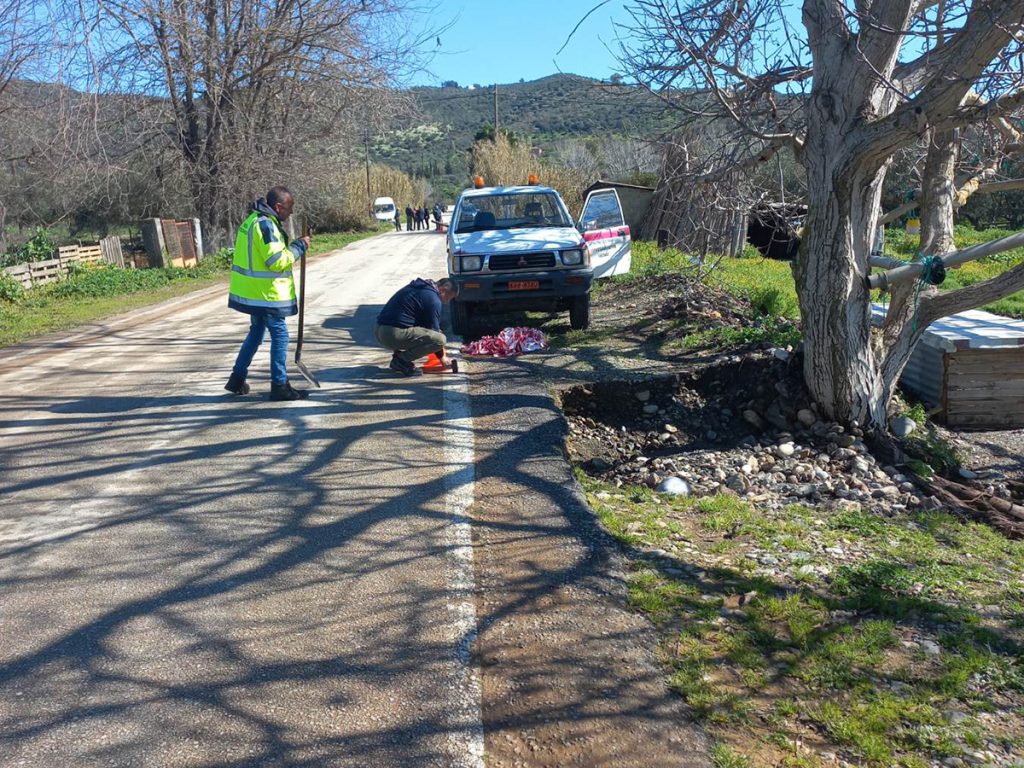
408,217
398,220
419,219
437,216
263,288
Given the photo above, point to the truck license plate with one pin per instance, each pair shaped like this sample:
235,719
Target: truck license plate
523,285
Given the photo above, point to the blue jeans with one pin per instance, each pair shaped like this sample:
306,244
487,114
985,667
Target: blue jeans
259,323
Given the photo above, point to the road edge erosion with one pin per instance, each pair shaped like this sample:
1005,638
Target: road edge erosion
568,670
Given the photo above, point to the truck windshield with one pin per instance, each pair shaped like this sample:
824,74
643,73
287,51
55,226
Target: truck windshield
511,211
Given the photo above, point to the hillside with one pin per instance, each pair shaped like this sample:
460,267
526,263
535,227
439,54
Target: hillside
552,107
434,142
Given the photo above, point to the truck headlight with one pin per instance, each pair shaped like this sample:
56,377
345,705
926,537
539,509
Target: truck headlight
472,263
573,258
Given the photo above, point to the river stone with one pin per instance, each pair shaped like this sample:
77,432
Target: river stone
738,482
643,395
806,417
650,408
753,418
674,486
785,450
902,426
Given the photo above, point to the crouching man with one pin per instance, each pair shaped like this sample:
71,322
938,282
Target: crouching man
410,324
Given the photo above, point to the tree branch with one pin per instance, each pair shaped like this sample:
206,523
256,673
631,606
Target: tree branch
946,303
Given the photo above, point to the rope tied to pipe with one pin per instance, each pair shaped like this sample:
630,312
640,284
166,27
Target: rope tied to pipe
934,273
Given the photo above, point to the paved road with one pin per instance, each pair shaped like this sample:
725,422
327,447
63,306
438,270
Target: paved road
188,579
191,579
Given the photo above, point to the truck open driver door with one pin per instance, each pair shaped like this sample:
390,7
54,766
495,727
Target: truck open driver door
607,235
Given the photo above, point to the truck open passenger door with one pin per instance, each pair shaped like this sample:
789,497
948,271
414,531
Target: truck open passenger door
606,232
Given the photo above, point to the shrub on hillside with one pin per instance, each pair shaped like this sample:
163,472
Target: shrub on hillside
10,289
38,247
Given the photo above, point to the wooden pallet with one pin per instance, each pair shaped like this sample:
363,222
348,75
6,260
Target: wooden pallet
42,272
985,387
21,273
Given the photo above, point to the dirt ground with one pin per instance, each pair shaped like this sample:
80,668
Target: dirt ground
659,389
638,330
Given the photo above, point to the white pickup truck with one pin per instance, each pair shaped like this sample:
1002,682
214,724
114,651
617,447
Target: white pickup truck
517,248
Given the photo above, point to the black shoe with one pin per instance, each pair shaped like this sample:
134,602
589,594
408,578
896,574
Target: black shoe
403,367
287,392
237,386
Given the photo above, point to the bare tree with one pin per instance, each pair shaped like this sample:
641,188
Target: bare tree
20,48
859,81
247,90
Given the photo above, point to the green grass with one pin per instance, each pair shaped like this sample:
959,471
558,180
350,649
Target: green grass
903,246
829,654
779,334
95,293
769,285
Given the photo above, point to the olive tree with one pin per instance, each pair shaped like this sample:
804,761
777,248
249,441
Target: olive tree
846,84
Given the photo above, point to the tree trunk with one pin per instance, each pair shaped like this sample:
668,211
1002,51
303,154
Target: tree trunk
938,193
831,271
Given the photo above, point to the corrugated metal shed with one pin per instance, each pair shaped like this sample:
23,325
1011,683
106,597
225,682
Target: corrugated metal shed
972,366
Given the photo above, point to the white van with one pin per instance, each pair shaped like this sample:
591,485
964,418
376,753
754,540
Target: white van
384,209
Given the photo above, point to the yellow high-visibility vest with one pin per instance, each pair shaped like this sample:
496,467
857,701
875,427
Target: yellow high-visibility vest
261,274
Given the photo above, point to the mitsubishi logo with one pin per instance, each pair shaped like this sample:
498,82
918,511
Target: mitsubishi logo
522,262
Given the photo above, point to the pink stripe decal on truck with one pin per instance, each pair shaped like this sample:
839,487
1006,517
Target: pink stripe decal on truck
604,234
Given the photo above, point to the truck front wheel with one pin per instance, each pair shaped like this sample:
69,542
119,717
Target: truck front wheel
579,312
460,318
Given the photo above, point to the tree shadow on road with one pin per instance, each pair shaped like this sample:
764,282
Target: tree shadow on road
241,582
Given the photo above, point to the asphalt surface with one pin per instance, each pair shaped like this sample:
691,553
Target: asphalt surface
395,572
192,579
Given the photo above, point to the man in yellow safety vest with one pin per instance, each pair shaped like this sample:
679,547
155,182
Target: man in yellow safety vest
263,288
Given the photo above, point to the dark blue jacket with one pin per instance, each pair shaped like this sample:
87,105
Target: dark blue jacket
417,305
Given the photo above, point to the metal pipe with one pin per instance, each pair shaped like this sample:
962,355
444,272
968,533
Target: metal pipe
885,261
912,271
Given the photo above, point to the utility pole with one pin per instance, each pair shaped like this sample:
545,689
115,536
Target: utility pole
495,111
366,146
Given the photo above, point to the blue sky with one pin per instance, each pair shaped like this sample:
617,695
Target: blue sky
503,41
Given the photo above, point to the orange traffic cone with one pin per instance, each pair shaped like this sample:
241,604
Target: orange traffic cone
433,364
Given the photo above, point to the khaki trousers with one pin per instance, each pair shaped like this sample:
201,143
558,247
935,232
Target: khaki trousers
410,343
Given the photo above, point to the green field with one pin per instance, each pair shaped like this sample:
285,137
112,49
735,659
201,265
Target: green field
769,284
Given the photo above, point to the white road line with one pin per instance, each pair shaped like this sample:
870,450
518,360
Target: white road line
467,738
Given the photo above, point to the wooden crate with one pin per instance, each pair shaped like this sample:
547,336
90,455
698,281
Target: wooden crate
985,388
21,273
47,271
971,367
